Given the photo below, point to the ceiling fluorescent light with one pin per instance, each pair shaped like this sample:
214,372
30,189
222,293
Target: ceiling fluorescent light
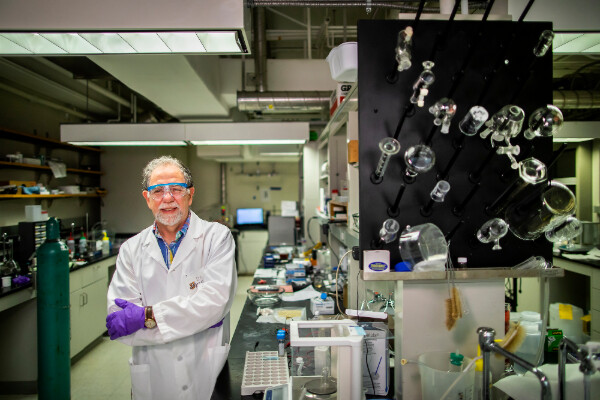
85,43
247,133
124,134
575,43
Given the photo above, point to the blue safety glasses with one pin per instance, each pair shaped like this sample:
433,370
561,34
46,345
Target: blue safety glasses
177,190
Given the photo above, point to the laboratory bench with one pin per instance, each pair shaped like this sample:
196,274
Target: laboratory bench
252,336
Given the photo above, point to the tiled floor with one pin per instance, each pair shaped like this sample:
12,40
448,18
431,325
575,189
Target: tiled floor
103,373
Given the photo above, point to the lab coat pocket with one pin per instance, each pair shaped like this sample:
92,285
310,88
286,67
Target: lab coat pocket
218,356
140,381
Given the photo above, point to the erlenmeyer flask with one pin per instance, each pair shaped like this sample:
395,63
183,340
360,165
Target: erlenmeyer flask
544,122
418,159
443,110
533,216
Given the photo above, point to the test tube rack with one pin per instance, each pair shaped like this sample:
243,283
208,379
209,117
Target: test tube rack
263,369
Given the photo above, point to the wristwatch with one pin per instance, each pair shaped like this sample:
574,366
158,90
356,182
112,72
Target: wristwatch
149,322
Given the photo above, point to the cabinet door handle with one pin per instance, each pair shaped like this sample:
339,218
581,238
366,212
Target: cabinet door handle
86,298
81,300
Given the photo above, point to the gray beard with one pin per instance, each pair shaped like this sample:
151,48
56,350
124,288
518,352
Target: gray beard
169,221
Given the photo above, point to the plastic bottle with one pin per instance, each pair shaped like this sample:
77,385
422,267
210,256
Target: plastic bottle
71,245
105,244
456,361
281,343
82,245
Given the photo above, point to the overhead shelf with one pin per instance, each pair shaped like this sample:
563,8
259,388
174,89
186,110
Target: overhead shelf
340,116
7,164
29,138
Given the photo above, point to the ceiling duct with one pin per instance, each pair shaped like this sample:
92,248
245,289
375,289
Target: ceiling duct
576,99
264,101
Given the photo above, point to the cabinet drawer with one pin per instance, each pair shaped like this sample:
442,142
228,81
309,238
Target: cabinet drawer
595,325
596,279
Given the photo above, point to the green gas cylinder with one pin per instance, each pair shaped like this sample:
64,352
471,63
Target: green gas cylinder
53,318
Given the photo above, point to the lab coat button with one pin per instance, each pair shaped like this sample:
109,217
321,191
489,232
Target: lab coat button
184,387
179,358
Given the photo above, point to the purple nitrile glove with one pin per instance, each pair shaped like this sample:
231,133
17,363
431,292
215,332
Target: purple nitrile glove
21,280
126,321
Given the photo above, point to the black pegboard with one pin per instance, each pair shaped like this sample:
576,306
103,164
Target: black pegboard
490,64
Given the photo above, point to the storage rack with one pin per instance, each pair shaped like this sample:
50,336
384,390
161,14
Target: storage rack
490,64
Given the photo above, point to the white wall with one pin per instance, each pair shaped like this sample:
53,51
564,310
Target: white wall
124,208
262,190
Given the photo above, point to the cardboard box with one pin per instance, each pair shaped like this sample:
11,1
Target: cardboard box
338,95
353,152
376,360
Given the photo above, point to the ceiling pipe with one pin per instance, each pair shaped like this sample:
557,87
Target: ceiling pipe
290,101
576,99
35,77
340,4
260,49
47,103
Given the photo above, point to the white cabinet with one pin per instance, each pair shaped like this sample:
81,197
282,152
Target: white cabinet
250,245
88,288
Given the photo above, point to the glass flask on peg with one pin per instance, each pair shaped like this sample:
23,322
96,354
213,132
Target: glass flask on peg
418,159
492,231
569,229
389,147
544,43
421,85
439,192
404,49
510,151
544,122
389,230
533,216
473,121
424,247
443,111
505,124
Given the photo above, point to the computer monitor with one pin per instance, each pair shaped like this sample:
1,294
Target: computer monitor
249,216
282,231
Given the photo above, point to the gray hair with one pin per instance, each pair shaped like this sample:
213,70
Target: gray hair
165,160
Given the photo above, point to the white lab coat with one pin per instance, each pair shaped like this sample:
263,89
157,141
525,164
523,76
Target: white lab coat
182,357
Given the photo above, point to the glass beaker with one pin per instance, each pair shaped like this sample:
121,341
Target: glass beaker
424,247
544,122
418,159
474,120
530,218
439,192
389,230
492,231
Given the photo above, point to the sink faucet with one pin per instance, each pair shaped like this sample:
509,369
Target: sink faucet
585,355
487,344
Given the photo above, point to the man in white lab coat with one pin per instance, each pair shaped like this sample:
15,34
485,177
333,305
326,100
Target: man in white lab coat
171,292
